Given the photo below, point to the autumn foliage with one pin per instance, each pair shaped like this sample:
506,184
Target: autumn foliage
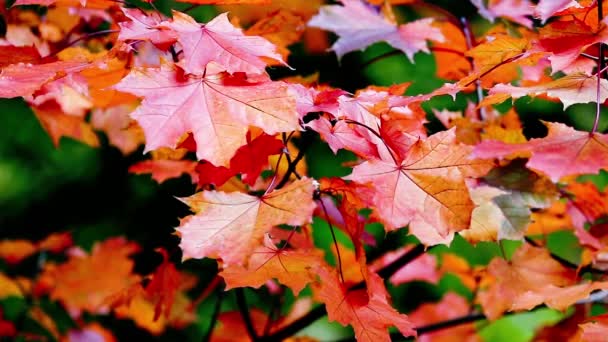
436,209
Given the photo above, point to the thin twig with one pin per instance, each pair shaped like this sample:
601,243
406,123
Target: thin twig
333,235
600,68
215,315
319,311
470,41
292,166
244,310
567,263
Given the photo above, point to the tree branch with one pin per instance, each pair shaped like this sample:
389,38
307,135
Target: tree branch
215,315
600,68
567,263
244,310
319,311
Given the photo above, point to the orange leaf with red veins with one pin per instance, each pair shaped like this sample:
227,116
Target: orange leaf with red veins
589,200
161,170
451,62
451,306
217,109
366,310
359,26
427,190
231,225
219,41
84,283
292,268
566,39
24,79
531,269
563,152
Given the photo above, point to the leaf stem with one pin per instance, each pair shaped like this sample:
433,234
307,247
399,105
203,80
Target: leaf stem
333,235
600,68
470,41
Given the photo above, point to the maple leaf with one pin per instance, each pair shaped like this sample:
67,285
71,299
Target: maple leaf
163,170
164,286
563,152
566,39
14,251
82,282
426,190
24,79
570,89
249,160
359,26
451,306
58,124
367,310
214,110
423,268
219,41
10,54
230,225
120,129
144,26
281,28
594,330
532,277
292,268
548,8
515,10
500,214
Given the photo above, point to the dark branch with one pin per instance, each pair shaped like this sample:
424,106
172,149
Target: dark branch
292,165
244,310
319,311
567,263
215,315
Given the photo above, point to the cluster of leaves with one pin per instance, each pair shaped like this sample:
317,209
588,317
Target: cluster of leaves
201,98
